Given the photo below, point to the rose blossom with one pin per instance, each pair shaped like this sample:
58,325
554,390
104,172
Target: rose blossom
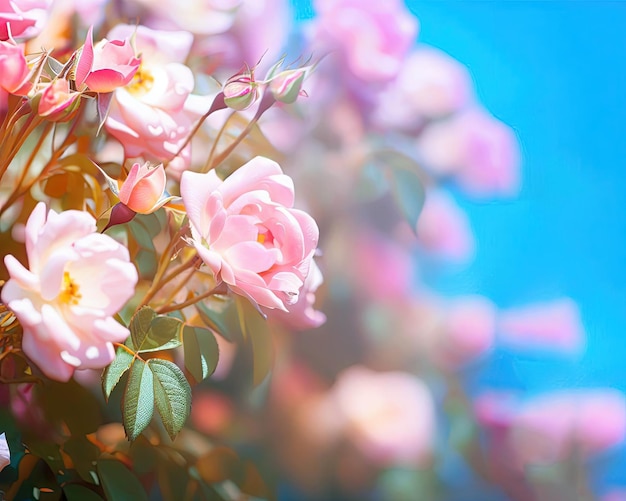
107,66
372,37
22,18
14,71
390,416
148,116
302,314
246,230
76,281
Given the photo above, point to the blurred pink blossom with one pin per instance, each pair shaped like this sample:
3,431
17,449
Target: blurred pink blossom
614,495
480,152
246,230
431,84
76,281
554,325
148,116
388,415
551,427
372,37
381,268
443,228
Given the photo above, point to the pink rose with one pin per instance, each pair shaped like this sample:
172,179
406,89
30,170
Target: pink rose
481,152
14,71
107,66
443,228
302,314
389,416
372,37
431,84
65,301
23,19
246,230
148,116
143,189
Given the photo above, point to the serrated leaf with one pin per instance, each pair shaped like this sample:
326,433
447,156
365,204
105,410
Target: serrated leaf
138,400
119,482
221,316
172,395
164,334
140,325
201,352
112,374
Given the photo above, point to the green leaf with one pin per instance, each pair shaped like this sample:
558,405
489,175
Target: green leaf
70,403
77,492
256,332
220,315
150,332
406,186
201,352
164,334
172,395
140,325
84,455
138,400
112,374
119,482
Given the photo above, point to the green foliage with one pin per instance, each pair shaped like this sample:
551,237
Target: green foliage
201,352
257,334
144,228
112,374
406,186
220,314
152,332
172,395
77,492
118,482
138,401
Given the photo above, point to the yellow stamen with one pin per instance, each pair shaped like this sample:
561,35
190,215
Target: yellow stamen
69,293
141,83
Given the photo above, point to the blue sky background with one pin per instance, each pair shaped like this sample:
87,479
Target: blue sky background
556,72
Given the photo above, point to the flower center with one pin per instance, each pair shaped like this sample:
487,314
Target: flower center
69,292
141,83
265,237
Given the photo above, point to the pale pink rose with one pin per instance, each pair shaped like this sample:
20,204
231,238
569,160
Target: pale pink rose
65,301
389,416
23,19
554,325
480,152
302,314
431,84
246,230
14,71
107,66
371,37
58,101
5,453
148,116
144,187
443,228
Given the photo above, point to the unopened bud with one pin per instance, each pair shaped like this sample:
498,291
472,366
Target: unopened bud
287,85
240,91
